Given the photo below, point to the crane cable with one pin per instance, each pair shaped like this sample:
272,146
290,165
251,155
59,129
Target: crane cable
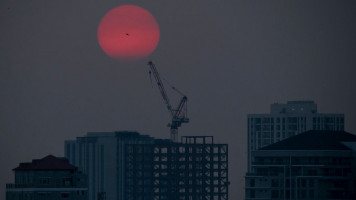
173,88
164,79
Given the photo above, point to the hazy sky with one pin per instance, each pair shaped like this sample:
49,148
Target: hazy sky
230,58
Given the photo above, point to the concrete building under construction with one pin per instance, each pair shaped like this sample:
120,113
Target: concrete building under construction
195,168
127,165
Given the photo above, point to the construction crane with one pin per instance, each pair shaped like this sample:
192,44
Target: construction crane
179,115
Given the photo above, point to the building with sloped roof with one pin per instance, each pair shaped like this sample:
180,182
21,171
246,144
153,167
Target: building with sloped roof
310,165
47,178
286,120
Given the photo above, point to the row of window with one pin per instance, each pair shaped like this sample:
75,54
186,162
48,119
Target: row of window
283,194
42,180
266,120
42,195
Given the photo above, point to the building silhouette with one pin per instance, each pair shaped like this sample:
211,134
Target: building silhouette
286,120
48,178
127,165
311,165
102,156
195,168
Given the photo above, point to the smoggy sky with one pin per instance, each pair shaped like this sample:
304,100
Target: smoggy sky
230,58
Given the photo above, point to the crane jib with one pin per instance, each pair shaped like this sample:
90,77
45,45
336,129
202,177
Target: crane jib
179,115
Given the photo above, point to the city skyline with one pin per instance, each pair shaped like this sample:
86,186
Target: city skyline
230,58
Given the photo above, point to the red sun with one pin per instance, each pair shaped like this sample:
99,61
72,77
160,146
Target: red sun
128,33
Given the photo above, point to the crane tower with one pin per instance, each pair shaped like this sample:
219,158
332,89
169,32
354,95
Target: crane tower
179,114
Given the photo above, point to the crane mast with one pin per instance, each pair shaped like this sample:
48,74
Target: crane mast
179,115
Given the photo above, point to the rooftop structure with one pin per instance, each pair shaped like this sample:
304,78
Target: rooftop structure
47,163
47,178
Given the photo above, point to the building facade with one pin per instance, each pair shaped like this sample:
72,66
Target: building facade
49,178
311,165
286,120
195,168
102,156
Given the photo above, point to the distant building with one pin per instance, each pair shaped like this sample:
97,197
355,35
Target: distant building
46,179
195,168
286,120
311,165
130,166
102,156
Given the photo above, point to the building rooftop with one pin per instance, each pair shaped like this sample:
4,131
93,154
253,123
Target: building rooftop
294,107
315,140
117,134
47,163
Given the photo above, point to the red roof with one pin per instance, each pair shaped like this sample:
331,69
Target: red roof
47,163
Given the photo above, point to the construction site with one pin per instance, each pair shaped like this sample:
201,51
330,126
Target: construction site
194,168
125,165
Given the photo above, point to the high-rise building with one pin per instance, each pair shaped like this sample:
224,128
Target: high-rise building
127,165
195,168
286,120
311,165
47,178
102,156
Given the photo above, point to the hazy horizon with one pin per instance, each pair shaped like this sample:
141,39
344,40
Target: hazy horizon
231,58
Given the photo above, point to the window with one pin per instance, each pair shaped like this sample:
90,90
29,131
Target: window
258,120
67,181
274,193
311,183
44,181
252,183
311,194
266,120
275,183
304,194
303,183
252,194
64,195
292,119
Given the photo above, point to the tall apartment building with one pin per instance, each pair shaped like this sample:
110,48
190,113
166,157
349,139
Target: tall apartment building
102,156
47,178
286,120
311,165
195,168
